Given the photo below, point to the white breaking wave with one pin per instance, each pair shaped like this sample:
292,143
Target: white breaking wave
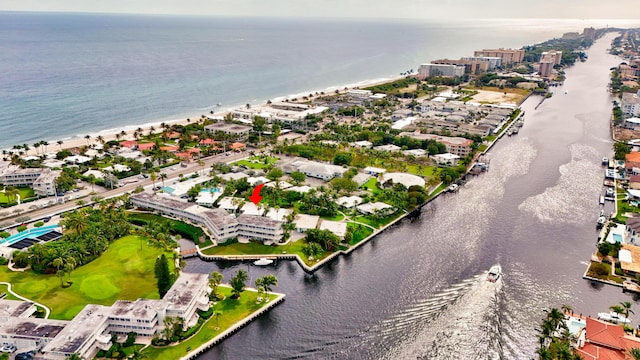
579,184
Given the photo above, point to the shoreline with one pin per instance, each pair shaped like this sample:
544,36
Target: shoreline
78,140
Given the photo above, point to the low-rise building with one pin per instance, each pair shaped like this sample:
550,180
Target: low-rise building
349,202
444,70
304,222
455,145
446,159
630,104
375,207
229,128
337,228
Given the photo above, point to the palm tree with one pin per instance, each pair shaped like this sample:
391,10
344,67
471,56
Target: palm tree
627,308
238,283
162,177
267,282
60,142
635,353
617,309
215,278
100,139
153,177
566,308
217,314
87,137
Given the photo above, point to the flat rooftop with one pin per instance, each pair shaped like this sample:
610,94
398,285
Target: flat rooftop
162,200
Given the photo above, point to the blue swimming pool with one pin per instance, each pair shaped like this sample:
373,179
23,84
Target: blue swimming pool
167,189
617,238
31,233
213,190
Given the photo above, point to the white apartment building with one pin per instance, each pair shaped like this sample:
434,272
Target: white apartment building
455,145
631,104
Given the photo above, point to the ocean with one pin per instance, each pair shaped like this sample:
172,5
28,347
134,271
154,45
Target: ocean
66,75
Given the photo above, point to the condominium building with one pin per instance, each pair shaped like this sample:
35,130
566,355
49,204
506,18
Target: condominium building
445,70
221,225
41,179
91,330
551,56
545,68
507,56
230,129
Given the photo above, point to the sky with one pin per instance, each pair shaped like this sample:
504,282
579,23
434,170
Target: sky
416,9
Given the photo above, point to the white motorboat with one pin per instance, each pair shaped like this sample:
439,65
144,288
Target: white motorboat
263,262
605,161
453,188
613,317
494,273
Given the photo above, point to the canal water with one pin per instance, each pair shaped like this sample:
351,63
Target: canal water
418,290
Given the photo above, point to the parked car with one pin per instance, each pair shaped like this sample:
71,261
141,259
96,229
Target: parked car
8,349
25,356
609,192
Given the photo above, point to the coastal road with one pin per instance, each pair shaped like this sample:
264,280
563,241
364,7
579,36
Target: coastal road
171,175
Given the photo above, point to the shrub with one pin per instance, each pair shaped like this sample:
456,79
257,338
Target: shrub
38,224
599,269
22,228
4,234
3,260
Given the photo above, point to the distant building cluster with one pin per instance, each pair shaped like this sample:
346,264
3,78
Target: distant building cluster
41,179
287,113
91,330
548,60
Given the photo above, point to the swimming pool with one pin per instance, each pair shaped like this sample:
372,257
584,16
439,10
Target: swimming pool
575,325
617,238
213,190
167,189
31,233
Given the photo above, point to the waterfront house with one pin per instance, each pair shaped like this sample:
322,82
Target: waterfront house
374,208
634,182
629,257
632,231
605,341
146,146
446,159
349,202
304,222
337,228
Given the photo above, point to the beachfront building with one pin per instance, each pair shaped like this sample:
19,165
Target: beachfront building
359,94
42,180
229,129
507,56
444,70
631,104
315,169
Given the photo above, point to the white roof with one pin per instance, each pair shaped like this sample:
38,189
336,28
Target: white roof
117,168
349,201
97,174
281,183
208,197
338,228
624,255
361,178
227,203
77,159
634,193
375,170
373,207
53,163
446,156
29,158
233,176
250,208
407,180
300,189
400,124
304,221
363,143
388,147
633,120
257,180
415,152
278,214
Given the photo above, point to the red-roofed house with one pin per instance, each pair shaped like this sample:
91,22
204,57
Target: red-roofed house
601,340
173,135
184,155
146,146
236,146
194,151
128,143
170,148
205,142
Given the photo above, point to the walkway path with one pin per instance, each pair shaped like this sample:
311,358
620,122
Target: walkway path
46,309
347,219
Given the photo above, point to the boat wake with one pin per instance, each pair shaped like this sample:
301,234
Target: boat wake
461,322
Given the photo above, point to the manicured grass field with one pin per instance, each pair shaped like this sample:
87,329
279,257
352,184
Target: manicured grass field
232,312
372,185
124,271
377,223
360,232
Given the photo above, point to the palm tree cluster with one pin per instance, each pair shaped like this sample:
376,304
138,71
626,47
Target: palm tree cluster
554,338
265,283
88,234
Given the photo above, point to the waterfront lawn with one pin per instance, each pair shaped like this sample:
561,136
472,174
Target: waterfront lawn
124,271
232,311
377,222
336,217
603,271
360,232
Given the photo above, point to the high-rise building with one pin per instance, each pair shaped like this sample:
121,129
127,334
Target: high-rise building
507,56
428,70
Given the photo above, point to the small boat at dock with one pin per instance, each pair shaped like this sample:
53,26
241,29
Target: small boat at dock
601,199
453,188
262,262
605,161
613,317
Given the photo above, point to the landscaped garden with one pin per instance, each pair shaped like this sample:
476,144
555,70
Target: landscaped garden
176,226
125,271
258,162
253,248
230,311
10,195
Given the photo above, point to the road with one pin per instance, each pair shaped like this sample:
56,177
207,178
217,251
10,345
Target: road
105,194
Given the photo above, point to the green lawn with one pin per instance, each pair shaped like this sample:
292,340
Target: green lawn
376,222
124,271
25,193
232,311
336,217
372,185
426,170
3,290
360,232
258,162
259,249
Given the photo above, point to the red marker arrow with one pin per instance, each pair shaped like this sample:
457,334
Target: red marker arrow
255,197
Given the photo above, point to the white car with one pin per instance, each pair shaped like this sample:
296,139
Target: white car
8,349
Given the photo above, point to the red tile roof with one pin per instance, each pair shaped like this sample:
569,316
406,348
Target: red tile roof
173,135
237,145
605,334
207,142
128,143
633,156
146,146
634,178
171,148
